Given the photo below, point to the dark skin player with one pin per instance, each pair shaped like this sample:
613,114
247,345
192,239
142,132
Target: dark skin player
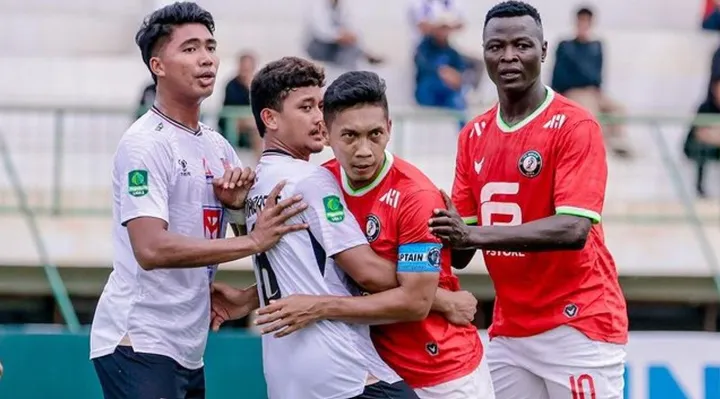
514,50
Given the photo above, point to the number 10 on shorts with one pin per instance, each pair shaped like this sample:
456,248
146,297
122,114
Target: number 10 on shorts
582,387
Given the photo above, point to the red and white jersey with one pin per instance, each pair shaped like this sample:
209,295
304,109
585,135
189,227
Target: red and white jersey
552,162
395,209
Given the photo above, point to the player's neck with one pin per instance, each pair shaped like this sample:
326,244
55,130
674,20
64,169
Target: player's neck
272,143
516,106
360,184
184,113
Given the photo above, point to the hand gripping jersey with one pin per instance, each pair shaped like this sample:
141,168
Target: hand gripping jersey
553,162
163,170
395,210
329,359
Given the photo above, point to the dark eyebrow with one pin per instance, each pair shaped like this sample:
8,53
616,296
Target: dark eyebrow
197,41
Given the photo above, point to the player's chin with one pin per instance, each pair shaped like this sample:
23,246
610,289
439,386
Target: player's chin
316,146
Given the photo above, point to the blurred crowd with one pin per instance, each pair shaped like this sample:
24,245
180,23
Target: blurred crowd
446,78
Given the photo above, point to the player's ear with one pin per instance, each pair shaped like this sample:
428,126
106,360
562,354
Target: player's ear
389,127
157,67
269,118
544,51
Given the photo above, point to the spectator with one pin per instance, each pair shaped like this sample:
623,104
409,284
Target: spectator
237,94
578,75
439,67
703,141
422,14
332,39
711,15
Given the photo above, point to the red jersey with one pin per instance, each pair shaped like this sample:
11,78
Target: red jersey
395,209
553,162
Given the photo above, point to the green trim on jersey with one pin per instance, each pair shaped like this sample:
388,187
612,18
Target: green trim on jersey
505,127
470,220
574,211
387,163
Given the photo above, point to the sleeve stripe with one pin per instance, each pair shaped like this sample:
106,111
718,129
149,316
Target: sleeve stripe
470,220
575,211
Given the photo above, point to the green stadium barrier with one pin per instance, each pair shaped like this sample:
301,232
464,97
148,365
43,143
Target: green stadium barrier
57,366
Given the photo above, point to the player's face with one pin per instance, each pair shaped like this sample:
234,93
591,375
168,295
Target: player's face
300,123
187,63
358,137
514,51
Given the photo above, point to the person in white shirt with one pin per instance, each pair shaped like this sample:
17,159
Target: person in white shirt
329,359
176,185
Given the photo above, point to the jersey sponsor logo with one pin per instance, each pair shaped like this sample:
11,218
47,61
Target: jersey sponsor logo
372,228
555,122
479,165
334,210
419,257
391,197
530,163
432,348
570,310
511,254
138,182
183,167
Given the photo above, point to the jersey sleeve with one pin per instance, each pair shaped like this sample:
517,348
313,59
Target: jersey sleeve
331,223
142,169
581,172
418,249
462,193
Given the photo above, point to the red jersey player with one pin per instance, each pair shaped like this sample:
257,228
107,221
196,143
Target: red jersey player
531,172
440,360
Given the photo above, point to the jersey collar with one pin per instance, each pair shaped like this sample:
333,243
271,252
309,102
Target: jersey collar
384,170
549,96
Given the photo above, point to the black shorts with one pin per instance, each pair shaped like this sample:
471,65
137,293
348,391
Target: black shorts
383,390
126,374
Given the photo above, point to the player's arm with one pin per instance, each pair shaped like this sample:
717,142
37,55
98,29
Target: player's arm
145,175
340,235
579,190
237,221
462,193
418,270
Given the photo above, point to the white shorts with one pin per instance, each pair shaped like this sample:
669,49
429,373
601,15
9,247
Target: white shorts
476,385
561,363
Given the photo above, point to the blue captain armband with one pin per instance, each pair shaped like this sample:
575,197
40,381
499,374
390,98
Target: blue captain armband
419,258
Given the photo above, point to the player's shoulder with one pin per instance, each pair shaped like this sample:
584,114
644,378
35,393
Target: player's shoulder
333,166
478,125
408,175
564,112
146,133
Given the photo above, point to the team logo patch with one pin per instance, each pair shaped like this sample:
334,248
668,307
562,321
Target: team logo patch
530,163
434,257
334,210
571,310
372,228
432,348
138,182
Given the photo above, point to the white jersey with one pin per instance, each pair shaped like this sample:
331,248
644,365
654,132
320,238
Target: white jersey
164,170
329,359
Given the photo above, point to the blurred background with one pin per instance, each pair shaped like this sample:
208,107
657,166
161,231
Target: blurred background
72,81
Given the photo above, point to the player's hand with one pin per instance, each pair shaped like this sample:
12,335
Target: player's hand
287,315
270,225
462,309
447,225
228,303
232,188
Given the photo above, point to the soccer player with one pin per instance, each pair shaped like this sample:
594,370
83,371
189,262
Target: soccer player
531,172
394,200
329,359
176,183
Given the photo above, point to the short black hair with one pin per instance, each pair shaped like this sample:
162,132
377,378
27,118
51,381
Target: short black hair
513,8
158,26
352,89
584,12
272,84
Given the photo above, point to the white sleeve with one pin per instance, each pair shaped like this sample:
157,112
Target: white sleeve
142,169
332,224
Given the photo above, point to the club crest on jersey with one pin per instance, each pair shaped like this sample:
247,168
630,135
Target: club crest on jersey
372,228
530,163
334,209
571,310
